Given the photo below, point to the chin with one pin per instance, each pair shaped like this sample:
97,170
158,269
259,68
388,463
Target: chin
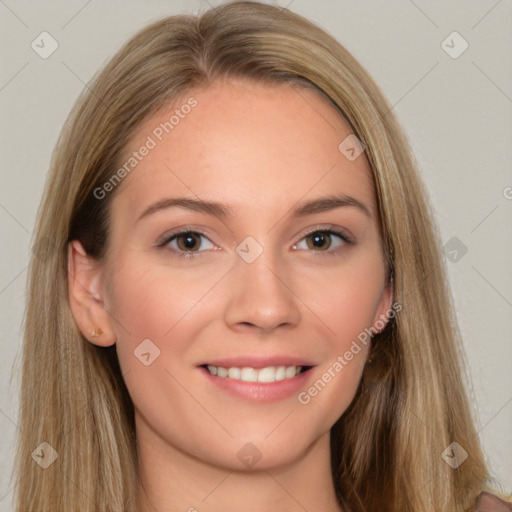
265,449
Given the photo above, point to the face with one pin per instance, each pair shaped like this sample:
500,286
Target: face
271,285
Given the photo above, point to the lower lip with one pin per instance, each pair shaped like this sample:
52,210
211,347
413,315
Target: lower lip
260,391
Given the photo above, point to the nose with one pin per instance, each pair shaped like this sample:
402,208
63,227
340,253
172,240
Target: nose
261,296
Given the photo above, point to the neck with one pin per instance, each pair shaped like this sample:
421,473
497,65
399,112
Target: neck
174,481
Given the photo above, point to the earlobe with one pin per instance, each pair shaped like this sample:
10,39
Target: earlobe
85,296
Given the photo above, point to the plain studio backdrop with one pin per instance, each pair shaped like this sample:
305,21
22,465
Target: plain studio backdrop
445,67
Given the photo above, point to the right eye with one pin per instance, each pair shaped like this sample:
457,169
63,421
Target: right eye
186,242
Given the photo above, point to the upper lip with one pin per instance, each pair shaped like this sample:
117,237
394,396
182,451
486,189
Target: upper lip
257,361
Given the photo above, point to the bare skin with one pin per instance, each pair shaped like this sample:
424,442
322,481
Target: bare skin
263,150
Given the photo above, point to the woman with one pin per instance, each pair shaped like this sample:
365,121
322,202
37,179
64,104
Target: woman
243,302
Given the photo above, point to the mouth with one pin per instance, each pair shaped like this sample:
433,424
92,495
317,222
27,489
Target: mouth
258,378
267,374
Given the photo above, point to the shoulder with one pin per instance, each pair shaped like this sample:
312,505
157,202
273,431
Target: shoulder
488,502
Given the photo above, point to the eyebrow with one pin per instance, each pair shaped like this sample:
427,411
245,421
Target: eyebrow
319,205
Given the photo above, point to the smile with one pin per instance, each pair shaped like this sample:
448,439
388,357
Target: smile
249,374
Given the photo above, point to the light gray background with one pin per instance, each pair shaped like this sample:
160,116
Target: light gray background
457,113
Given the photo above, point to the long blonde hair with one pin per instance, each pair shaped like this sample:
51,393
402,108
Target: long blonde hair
411,405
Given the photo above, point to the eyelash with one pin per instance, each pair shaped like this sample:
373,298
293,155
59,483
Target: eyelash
195,254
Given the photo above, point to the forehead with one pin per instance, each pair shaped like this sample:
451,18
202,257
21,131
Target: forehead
255,146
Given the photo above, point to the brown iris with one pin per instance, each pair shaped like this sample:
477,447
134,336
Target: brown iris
188,241
319,239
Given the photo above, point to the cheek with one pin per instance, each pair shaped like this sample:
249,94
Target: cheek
346,300
348,316
152,302
345,305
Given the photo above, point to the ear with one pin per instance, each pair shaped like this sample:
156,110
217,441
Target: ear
384,309
85,279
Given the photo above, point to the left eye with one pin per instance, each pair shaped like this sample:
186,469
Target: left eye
322,239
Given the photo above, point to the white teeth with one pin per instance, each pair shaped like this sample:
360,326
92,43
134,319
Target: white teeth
234,373
280,372
247,374
289,372
267,374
